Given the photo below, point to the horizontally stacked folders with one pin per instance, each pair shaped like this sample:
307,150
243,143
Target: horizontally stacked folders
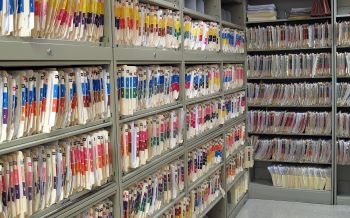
262,12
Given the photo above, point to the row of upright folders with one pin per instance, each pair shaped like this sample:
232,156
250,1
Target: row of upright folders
135,24
204,158
290,65
146,25
138,24
300,150
201,35
149,195
207,115
39,101
290,36
294,94
296,65
297,122
206,36
145,87
297,36
314,178
197,200
50,19
289,122
144,139
292,150
297,94
47,174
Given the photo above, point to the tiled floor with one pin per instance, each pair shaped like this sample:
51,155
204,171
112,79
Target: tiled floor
280,209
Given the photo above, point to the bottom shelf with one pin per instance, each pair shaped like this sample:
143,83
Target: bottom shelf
211,205
343,200
264,190
233,210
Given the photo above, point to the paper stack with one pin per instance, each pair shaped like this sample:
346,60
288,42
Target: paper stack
299,13
262,12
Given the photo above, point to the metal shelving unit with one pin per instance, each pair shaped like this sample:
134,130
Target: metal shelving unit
180,57
341,192
28,52
261,186
48,53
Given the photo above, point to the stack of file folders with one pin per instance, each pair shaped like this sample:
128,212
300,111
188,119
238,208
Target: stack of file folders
299,13
292,150
314,178
262,12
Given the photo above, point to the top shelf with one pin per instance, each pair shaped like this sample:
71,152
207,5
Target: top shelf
52,50
289,21
198,15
